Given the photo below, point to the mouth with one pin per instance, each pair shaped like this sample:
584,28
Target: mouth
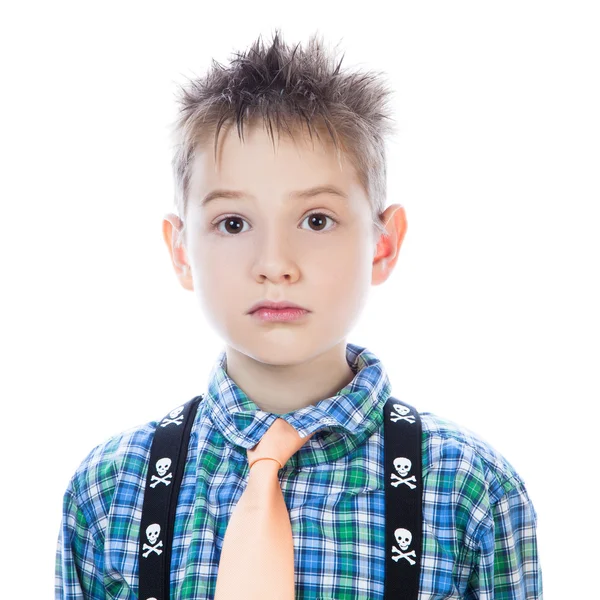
271,305
279,314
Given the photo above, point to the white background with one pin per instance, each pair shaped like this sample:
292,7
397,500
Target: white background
490,318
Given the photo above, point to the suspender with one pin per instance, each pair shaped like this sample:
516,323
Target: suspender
403,500
165,471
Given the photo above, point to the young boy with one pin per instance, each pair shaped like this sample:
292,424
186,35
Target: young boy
299,222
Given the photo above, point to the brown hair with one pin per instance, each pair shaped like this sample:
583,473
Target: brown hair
287,86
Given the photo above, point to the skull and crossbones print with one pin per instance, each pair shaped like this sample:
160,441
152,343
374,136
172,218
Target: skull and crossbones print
162,466
404,540
176,417
403,466
152,533
401,414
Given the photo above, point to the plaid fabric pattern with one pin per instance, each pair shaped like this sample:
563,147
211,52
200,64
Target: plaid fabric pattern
479,530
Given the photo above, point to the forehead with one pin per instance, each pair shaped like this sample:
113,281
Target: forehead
259,165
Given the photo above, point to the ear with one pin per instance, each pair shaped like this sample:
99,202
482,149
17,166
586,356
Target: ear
172,233
388,247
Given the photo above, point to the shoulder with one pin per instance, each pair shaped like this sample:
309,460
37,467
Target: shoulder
449,445
467,477
119,461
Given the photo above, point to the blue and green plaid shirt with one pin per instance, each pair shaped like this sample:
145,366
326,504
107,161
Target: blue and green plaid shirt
479,530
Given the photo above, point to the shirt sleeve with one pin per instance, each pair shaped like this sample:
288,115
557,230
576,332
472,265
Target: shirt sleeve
78,561
507,566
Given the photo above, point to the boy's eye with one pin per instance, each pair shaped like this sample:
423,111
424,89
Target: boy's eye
317,222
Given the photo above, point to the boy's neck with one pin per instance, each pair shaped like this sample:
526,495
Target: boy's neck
280,389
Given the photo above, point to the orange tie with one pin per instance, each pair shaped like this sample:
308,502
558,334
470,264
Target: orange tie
257,558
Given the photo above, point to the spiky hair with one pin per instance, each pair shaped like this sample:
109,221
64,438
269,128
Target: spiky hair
287,87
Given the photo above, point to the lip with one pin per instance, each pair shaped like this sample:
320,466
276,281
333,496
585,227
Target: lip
275,306
279,315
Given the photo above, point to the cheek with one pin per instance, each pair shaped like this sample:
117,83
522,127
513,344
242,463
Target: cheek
346,266
219,283
337,277
218,276
212,260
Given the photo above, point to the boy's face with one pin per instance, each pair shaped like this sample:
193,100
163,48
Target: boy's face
273,251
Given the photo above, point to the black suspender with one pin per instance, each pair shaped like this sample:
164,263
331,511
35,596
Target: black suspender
403,500
165,472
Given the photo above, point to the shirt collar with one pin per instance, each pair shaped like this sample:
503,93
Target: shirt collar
347,418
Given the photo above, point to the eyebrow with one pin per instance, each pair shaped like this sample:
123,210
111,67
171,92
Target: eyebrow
308,193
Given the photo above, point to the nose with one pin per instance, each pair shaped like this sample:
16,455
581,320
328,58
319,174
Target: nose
275,257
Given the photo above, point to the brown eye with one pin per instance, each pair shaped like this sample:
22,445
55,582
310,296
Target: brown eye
232,225
318,220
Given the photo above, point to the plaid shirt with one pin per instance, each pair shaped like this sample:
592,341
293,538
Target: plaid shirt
479,530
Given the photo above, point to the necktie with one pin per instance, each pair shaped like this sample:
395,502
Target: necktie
257,558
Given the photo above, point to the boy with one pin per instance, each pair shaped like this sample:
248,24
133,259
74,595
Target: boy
300,222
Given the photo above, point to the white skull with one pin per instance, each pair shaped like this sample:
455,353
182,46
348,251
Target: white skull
402,465
163,465
176,412
401,409
152,533
403,537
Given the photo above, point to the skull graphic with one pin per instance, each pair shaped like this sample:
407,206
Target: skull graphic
403,538
163,465
401,409
152,533
176,412
402,465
